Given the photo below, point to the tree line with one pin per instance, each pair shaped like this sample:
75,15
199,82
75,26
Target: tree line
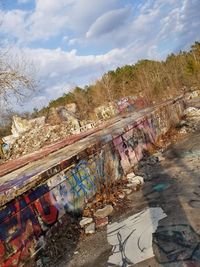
154,80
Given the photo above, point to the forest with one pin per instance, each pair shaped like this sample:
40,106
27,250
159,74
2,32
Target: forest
153,80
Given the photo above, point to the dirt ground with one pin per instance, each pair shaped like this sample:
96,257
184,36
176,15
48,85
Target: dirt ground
172,184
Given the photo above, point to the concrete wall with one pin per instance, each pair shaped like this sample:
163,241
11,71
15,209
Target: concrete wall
25,219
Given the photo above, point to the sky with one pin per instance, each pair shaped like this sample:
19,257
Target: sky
73,42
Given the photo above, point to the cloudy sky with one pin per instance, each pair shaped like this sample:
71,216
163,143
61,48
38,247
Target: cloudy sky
72,42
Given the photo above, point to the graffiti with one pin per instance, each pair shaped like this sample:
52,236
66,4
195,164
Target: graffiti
68,185
132,238
195,203
176,243
20,227
131,144
73,186
83,179
122,248
49,173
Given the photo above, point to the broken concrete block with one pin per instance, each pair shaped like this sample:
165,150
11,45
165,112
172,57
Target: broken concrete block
85,221
121,195
183,130
101,222
127,191
101,213
136,180
159,156
130,175
133,186
90,229
192,112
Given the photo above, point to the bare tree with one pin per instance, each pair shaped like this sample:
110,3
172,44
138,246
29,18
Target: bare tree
107,83
16,75
16,81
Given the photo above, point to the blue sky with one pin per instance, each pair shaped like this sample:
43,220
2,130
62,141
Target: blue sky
72,42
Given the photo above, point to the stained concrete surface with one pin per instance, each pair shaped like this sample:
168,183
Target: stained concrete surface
174,186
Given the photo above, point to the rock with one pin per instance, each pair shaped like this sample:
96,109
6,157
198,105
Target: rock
183,130
182,123
192,112
121,195
85,221
137,180
159,156
127,191
130,176
106,211
130,185
193,94
75,252
90,229
101,222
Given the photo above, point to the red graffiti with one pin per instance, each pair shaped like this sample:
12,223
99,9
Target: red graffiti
46,209
21,229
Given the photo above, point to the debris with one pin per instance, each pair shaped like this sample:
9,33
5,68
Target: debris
130,176
159,156
182,123
101,213
90,229
39,263
85,221
183,130
121,195
20,125
133,234
193,94
130,185
135,180
192,112
127,191
75,252
101,222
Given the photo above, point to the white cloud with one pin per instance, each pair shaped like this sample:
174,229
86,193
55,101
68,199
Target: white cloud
125,34
14,23
73,41
108,22
58,69
24,1
65,38
51,18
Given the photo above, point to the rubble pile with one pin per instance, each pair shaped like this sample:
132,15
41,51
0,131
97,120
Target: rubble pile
191,121
37,138
97,212
31,135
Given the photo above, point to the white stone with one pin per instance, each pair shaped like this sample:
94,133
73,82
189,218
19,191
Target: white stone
192,112
130,176
90,229
85,221
127,191
106,211
136,180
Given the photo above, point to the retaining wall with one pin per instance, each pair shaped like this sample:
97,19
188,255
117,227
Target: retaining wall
28,214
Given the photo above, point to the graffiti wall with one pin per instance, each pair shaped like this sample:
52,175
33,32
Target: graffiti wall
25,220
